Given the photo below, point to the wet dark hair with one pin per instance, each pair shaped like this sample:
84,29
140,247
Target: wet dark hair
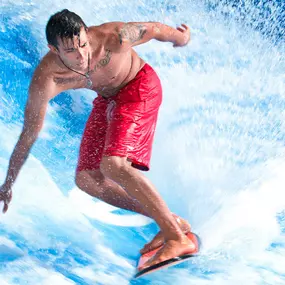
64,25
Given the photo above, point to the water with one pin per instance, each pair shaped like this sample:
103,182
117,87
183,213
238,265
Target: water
218,156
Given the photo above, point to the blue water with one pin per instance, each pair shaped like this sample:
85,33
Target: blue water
218,156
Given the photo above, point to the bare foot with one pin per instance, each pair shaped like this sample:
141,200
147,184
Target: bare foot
158,240
171,249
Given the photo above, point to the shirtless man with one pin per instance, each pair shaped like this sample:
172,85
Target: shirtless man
118,136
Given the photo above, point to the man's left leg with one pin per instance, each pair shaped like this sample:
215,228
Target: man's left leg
94,183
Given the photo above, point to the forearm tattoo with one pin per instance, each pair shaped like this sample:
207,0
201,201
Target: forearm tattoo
132,32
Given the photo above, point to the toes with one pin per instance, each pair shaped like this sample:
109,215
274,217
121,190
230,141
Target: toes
149,247
156,242
145,249
154,260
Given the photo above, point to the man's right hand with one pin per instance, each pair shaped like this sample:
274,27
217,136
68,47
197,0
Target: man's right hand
5,197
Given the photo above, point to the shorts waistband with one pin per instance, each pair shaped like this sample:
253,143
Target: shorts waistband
146,67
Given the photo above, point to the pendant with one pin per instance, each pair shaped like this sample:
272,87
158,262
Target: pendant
89,83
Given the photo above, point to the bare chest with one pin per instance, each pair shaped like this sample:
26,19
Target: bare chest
105,73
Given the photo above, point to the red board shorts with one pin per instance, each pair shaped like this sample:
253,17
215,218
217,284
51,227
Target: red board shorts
124,124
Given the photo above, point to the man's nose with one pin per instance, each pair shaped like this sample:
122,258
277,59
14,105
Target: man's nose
79,53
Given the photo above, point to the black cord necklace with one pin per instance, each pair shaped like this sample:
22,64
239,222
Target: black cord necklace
86,75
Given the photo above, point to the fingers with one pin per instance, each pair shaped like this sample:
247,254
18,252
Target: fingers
5,197
180,29
186,28
3,205
5,208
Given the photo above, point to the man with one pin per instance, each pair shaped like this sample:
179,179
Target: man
118,136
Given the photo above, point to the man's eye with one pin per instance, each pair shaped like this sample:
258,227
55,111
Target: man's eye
84,45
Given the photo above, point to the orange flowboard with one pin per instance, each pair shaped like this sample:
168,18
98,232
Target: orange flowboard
170,262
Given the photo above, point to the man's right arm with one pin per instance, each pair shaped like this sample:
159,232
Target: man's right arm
39,95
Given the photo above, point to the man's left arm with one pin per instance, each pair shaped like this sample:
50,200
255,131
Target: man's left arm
136,33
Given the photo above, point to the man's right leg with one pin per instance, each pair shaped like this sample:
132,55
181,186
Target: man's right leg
95,184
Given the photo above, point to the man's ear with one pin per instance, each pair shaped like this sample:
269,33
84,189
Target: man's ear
53,49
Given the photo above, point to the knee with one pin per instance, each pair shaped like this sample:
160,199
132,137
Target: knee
80,179
113,166
84,179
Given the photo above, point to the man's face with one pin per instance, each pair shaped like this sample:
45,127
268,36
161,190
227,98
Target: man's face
74,52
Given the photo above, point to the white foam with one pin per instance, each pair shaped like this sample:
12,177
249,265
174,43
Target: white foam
100,271
34,193
33,274
88,273
38,206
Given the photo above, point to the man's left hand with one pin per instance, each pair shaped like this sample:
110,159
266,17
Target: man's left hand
184,38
